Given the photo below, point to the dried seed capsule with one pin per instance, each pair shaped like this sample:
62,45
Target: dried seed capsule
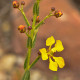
22,28
52,8
22,3
29,28
15,4
58,14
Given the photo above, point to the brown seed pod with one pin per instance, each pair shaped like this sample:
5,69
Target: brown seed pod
22,3
52,8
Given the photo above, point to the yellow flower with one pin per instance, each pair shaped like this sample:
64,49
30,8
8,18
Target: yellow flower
45,54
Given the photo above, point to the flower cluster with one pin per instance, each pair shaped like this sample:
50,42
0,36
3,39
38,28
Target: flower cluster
57,13
45,54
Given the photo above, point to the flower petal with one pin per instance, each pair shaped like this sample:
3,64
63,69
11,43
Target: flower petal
60,61
43,54
53,49
50,41
59,47
53,65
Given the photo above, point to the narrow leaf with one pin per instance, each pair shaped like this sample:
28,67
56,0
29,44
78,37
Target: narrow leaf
38,1
25,63
26,75
36,9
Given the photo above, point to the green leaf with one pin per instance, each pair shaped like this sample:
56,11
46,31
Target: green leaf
37,12
25,63
36,9
26,75
38,1
29,42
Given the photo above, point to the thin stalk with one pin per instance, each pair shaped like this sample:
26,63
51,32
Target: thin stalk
27,34
38,25
34,62
26,20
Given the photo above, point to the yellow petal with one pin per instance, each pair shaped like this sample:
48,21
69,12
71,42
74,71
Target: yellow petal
50,41
53,49
60,61
43,54
59,47
53,65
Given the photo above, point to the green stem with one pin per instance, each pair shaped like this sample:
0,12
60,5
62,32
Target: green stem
34,62
33,25
34,21
26,20
38,25
28,56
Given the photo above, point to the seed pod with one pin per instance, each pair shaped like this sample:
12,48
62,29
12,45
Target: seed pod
29,28
58,14
52,8
22,28
22,3
15,4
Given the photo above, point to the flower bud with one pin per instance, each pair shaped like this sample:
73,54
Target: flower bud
22,28
58,14
52,8
15,4
22,3
37,19
29,28
39,53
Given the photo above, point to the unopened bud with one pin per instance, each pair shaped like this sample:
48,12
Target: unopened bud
29,28
15,4
22,3
52,8
22,28
37,19
58,14
39,53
